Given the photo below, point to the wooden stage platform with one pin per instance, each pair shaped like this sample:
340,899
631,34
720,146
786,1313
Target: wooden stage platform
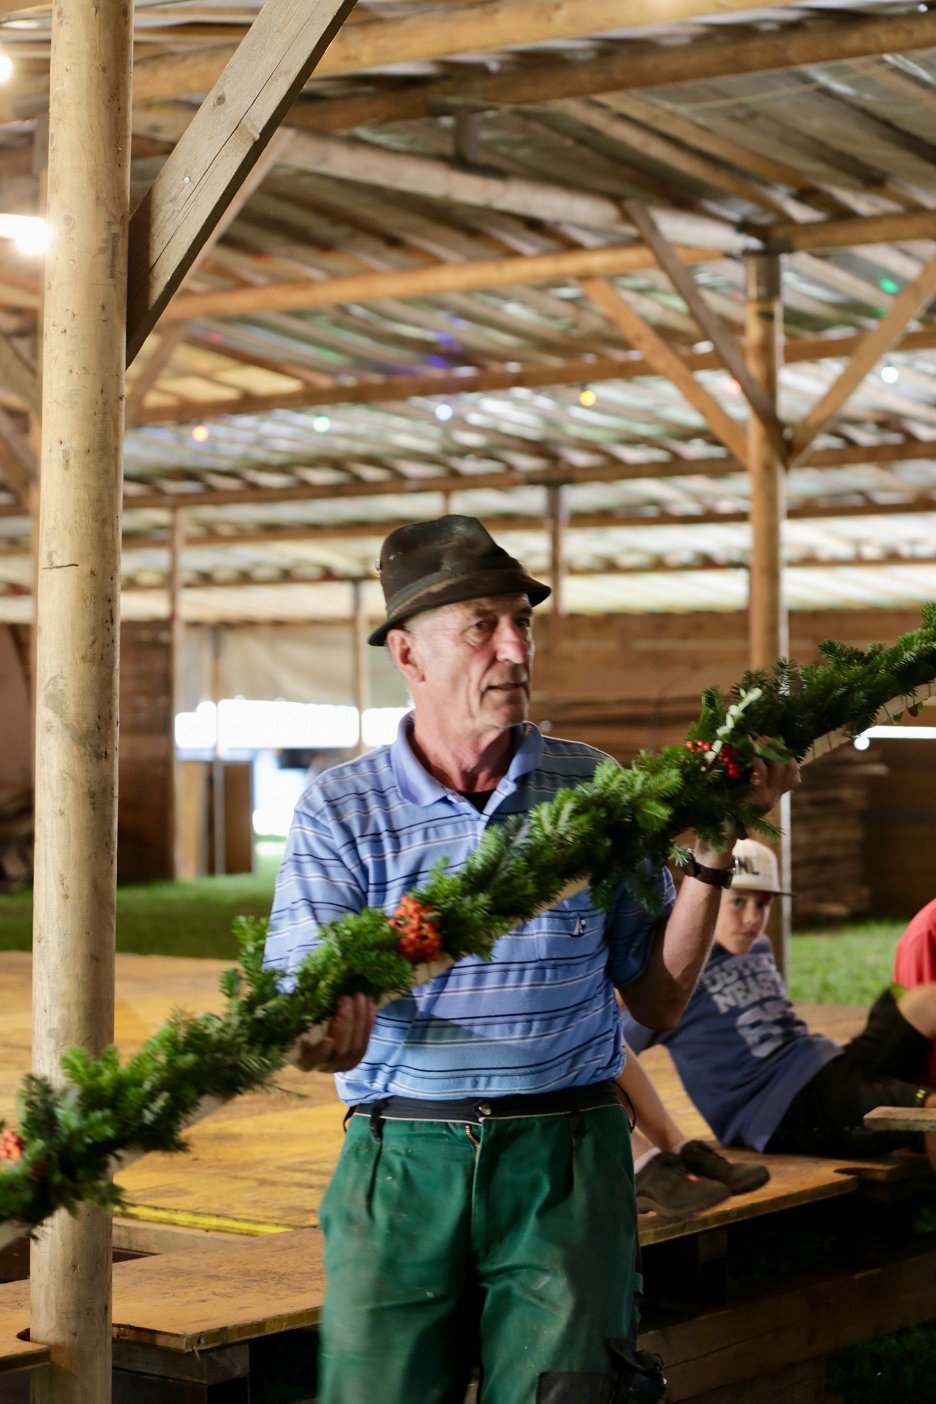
225,1184
242,1208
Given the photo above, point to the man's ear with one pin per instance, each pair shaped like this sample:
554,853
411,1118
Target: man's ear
406,654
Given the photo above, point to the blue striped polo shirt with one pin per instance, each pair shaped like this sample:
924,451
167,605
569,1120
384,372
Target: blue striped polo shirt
541,1013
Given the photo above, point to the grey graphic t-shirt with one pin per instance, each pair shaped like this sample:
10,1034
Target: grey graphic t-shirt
740,1048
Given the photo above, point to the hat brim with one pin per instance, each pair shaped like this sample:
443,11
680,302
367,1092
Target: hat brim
509,581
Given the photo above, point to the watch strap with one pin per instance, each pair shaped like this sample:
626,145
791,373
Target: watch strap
715,877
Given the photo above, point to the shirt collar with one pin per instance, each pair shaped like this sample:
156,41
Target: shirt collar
419,787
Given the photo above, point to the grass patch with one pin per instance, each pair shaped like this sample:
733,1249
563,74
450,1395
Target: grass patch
850,964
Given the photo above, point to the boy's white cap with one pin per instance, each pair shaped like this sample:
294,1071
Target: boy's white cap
756,869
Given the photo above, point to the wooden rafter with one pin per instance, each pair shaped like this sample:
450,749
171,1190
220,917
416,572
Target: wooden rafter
633,67
727,348
429,281
173,335
442,33
666,362
875,344
222,143
18,462
850,233
553,373
551,473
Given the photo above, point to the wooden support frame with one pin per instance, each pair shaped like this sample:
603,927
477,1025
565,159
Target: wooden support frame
172,336
729,352
875,344
224,140
667,363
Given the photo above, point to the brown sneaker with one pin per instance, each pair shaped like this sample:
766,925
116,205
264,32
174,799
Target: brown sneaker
666,1186
703,1159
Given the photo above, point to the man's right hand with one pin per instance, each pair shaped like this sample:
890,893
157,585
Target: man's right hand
345,1040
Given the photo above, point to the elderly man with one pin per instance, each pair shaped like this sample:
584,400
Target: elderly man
483,1206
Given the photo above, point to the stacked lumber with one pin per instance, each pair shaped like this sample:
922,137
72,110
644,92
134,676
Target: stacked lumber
828,837
16,838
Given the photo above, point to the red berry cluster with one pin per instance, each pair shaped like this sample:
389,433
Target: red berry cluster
11,1146
419,935
728,756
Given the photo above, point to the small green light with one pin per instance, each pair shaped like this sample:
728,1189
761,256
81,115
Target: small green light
889,286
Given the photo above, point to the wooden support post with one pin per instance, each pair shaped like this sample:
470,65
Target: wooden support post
78,642
176,641
219,841
768,622
361,660
558,518
767,614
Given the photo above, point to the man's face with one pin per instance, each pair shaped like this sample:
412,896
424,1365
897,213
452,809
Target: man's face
472,663
742,917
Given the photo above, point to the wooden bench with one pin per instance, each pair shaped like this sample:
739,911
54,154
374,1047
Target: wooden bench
192,1325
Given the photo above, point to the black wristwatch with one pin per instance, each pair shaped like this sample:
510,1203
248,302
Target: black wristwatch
715,877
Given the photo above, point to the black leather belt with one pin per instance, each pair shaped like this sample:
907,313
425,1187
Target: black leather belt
566,1102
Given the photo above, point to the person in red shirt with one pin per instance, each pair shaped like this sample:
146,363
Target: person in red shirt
915,962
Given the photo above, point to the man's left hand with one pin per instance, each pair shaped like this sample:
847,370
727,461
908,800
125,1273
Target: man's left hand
345,1039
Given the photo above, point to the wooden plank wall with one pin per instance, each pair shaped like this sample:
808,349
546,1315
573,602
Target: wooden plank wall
146,740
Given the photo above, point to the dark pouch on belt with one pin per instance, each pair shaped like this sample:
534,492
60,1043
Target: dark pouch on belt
636,1377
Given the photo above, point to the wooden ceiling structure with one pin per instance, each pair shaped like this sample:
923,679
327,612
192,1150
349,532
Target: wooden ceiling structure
493,259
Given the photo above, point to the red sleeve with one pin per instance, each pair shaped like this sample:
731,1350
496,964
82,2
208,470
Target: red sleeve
915,956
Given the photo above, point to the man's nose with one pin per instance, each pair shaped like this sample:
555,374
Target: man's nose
513,643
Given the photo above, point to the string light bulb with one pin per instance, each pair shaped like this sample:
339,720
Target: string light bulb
321,424
587,398
443,413
890,374
201,433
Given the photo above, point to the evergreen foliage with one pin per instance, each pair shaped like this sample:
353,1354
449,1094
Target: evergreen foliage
621,826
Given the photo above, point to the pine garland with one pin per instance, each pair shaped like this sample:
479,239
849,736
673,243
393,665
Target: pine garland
623,824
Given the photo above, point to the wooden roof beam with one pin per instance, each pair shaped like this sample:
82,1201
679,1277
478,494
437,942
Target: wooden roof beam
875,344
900,227
431,280
553,373
666,362
441,33
551,474
224,140
634,66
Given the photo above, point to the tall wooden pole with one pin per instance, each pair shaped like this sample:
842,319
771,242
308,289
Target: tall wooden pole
558,521
360,661
768,619
78,640
218,826
176,643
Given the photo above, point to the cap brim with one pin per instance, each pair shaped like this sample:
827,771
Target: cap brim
509,582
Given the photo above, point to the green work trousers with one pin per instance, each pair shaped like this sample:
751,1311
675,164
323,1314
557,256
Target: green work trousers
512,1243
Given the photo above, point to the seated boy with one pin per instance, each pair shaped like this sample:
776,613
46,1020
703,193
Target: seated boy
753,1068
